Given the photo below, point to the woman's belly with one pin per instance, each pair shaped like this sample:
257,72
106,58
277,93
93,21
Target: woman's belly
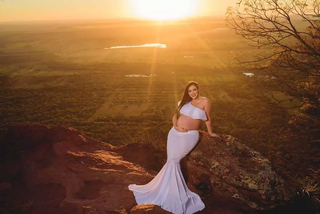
188,122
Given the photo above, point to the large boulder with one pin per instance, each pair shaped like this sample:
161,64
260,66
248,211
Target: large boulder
234,170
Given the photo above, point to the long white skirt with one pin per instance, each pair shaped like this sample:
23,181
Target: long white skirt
169,189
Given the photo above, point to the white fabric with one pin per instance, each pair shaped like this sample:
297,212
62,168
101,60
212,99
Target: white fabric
169,189
191,111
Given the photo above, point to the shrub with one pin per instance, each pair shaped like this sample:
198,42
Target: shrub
308,194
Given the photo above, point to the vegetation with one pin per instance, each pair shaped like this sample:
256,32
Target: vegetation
84,101
308,194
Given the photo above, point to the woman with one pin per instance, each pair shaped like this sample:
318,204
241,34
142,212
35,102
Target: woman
168,189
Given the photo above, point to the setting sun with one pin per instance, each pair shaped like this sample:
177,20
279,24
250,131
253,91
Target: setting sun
163,9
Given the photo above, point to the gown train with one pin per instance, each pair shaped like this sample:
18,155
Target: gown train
169,189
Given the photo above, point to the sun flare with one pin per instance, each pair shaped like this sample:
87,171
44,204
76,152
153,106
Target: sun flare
163,9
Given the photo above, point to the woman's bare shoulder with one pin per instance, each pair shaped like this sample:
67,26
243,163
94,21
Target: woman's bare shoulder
204,100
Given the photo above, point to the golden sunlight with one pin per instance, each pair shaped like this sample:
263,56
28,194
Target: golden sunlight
163,9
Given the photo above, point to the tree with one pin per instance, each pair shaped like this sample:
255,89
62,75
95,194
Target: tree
286,35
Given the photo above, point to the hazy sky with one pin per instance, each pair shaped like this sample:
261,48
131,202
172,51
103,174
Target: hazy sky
18,10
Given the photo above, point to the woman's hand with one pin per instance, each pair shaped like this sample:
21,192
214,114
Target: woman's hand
180,129
214,135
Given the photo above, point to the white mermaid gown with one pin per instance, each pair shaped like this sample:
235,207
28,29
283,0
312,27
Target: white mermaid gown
169,189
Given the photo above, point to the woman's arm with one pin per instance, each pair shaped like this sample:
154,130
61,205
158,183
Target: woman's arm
174,121
207,108
175,124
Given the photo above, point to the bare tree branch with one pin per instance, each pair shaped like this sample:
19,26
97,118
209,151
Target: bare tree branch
288,52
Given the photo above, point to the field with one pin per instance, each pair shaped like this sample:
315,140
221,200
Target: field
64,73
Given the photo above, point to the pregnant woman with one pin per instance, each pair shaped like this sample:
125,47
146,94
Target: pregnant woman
168,189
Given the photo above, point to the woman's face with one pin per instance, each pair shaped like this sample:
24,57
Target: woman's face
193,92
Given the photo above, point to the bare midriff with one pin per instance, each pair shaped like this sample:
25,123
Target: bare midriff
188,122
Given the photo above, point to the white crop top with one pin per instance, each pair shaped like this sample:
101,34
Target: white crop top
191,111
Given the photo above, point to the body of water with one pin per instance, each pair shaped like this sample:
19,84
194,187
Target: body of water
249,74
152,45
140,75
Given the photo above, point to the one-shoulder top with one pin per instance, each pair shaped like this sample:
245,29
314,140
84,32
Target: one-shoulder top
191,111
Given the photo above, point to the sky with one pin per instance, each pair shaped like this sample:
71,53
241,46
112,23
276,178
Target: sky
27,10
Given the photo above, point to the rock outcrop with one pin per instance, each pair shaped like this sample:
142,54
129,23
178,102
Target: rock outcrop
59,170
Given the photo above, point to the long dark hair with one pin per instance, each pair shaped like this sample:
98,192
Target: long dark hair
185,97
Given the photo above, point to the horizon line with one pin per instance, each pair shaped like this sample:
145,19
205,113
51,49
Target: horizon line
105,19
